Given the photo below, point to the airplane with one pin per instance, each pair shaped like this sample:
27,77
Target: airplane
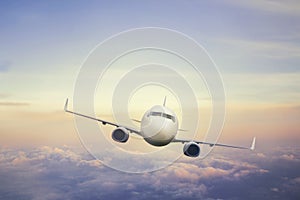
159,127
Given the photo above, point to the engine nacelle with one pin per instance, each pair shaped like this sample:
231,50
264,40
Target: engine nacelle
191,149
120,134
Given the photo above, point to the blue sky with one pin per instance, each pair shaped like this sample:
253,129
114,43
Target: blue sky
255,44
43,38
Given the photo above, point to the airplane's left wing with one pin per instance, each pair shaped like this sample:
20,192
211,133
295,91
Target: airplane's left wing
104,122
252,147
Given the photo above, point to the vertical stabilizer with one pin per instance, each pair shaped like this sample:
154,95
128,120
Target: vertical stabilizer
165,100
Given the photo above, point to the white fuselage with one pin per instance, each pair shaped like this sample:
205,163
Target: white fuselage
159,126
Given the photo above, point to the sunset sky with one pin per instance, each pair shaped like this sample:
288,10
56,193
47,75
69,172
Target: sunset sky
255,44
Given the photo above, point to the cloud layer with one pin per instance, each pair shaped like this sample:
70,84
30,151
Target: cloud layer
67,173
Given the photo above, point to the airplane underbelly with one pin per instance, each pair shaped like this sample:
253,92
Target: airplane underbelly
155,141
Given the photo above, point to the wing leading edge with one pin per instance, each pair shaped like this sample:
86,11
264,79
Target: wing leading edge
252,147
100,120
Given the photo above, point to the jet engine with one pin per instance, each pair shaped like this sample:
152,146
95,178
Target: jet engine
120,134
191,149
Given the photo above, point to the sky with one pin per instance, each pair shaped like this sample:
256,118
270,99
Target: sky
255,45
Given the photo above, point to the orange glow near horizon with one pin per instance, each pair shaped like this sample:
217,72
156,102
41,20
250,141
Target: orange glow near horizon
272,123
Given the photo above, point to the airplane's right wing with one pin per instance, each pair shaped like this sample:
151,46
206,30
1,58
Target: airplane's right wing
252,147
104,122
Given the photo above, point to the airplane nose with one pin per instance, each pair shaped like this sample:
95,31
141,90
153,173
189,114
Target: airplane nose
154,127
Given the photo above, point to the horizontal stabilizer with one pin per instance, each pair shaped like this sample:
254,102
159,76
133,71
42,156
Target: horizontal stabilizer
135,120
182,130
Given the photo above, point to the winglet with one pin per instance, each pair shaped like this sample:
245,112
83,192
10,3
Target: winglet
253,144
165,100
183,130
66,105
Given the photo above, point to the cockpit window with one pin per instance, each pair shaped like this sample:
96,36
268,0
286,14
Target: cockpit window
163,115
167,116
155,114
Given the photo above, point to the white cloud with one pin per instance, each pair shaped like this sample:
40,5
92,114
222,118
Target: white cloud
261,155
47,153
289,157
275,189
20,159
